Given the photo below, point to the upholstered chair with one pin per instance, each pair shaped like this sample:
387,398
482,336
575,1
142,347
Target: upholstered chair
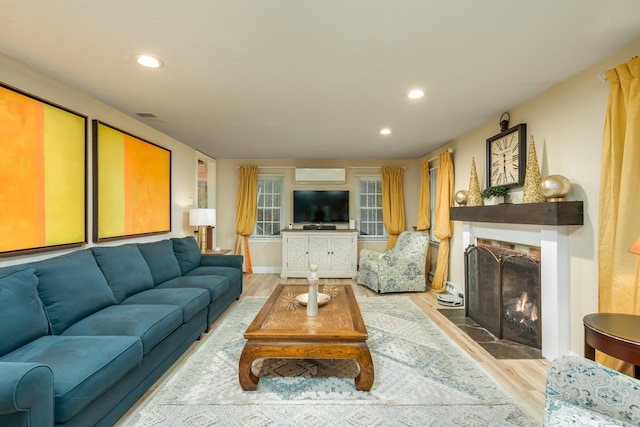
400,269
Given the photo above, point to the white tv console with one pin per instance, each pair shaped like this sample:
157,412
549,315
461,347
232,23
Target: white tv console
334,251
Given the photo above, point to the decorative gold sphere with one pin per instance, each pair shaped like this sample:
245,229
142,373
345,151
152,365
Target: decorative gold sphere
461,197
555,188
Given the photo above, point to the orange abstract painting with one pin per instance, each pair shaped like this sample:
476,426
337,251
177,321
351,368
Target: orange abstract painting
42,170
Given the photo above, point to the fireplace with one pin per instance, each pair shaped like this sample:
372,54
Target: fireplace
544,225
502,287
553,307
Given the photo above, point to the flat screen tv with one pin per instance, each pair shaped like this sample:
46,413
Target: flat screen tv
320,206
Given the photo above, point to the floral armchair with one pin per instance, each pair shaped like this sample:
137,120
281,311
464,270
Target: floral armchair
400,269
581,392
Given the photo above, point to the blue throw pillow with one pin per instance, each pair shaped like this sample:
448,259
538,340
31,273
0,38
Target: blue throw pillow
187,252
22,316
161,260
72,287
125,270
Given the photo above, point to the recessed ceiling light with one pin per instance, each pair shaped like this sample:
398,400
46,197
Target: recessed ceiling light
416,93
149,61
385,131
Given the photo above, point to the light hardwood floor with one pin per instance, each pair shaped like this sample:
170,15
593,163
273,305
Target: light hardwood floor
522,379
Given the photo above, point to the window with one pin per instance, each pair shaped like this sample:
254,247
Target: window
370,207
433,186
270,205
203,184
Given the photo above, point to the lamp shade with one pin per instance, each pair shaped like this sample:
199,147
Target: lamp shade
199,217
635,248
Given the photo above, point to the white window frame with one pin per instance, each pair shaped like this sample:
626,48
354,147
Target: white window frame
277,226
433,186
385,234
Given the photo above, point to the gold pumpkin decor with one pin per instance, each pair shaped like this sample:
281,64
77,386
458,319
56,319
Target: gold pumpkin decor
555,188
461,197
532,178
474,198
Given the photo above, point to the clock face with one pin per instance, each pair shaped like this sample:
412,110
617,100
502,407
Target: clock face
505,157
504,160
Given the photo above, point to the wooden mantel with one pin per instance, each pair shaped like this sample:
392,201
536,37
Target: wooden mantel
548,213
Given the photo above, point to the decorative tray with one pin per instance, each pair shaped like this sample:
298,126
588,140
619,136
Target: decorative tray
322,298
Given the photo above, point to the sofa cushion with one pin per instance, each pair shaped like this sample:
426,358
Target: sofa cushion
191,300
216,285
72,287
125,269
161,260
187,252
233,274
22,316
150,322
83,367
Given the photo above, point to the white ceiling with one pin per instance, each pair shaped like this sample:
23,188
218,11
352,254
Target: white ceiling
293,79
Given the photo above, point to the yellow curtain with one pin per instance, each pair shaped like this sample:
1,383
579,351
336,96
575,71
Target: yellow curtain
393,202
246,213
424,210
443,227
619,270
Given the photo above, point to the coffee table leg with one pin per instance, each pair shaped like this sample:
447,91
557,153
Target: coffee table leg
248,381
364,380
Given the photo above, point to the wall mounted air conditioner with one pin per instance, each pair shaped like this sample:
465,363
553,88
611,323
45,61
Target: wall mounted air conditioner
321,175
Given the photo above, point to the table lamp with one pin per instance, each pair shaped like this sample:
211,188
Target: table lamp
635,248
203,219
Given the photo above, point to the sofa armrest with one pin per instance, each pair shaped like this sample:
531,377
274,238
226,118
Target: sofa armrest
26,393
212,260
576,384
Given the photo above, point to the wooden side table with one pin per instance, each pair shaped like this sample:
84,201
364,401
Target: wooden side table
615,334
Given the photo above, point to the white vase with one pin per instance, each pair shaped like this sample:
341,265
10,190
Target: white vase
493,200
312,299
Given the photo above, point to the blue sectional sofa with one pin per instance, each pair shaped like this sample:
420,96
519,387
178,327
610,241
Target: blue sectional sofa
84,335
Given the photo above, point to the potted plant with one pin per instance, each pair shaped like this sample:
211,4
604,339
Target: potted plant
494,195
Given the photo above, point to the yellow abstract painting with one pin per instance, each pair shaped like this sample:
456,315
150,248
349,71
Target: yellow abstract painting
133,178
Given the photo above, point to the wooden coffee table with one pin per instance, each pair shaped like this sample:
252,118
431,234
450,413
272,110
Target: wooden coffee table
337,332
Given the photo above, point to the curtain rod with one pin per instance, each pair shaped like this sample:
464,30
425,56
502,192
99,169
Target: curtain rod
294,167
603,77
267,167
450,150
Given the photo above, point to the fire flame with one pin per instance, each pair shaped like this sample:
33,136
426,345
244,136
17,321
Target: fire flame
528,308
521,302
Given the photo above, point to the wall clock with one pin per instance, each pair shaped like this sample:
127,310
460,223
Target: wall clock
506,157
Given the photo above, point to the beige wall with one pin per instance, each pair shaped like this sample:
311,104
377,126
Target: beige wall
567,123
183,158
266,255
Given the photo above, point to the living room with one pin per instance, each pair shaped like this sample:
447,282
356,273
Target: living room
566,121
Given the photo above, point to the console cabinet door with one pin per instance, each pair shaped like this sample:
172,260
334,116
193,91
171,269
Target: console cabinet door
342,253
320,252
296,254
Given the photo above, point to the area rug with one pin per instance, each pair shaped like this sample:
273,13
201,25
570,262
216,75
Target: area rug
422,378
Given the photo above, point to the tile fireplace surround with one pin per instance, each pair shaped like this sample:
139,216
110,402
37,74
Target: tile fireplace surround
554,254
